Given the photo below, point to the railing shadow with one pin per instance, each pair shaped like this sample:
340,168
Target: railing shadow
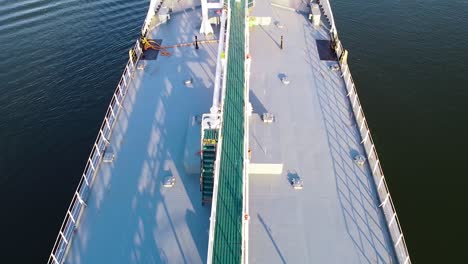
268,231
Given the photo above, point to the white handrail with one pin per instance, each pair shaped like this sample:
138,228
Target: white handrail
388,208
78,203
383,192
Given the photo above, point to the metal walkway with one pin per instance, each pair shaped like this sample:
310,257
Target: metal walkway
228,227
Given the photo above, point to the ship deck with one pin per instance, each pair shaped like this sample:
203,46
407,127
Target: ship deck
335,218
130,217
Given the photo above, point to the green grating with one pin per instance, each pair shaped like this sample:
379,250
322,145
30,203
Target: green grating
228,228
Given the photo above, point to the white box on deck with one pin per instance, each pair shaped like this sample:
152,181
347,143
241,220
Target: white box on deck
265,168
315,14
164,15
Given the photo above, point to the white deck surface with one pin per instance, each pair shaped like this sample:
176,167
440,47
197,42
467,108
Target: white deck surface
335,218
130,217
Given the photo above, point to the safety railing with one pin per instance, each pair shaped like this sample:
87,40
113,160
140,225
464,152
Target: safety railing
78,203
383,192
376,169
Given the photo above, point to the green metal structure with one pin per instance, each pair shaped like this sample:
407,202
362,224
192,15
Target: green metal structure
227,247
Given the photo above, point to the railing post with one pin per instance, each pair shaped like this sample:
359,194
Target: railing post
137,50
355,99
124,77
101,133
375,166
365,139
63,237
117,100
112,112
399,239
91,163
350,92
119,87
380,183
393,219
385,201
71,216
362,123
372,151
54,258
107,123
80,199
348,79
406,260
85,179
97,149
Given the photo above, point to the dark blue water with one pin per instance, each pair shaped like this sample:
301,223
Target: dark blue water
409,60
61,60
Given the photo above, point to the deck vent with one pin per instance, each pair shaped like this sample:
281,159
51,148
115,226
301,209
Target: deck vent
108,155
295,180
335,67
169,181
279,25
285,80
268,118
297,184
360,160
188,81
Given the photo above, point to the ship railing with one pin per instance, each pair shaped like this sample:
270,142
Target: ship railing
386,202
383,192
78,203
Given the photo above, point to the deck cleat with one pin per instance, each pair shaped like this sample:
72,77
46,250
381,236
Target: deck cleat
108,155
169,181
297,183
360,160
268,118
295,180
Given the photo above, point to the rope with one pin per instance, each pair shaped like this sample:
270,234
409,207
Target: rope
151,44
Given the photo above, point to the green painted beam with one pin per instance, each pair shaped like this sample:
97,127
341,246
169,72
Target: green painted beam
227,247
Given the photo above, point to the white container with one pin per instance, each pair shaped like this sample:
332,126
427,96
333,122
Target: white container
315,14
